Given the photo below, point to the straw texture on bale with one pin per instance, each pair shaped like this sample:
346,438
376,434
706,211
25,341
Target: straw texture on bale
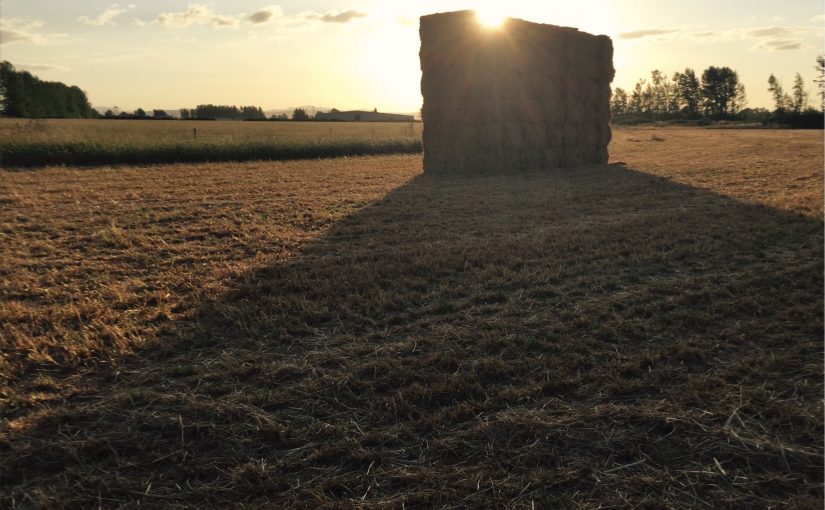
523,96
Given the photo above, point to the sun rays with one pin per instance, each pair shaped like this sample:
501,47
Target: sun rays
490,16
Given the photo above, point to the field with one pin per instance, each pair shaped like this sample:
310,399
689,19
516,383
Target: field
351,333
101,142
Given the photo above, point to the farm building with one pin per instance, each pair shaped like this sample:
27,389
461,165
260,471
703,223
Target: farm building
521,96
365,116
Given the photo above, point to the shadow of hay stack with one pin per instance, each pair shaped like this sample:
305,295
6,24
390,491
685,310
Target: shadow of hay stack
493,341
525,96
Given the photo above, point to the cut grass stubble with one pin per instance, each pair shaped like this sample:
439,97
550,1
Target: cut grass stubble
352,333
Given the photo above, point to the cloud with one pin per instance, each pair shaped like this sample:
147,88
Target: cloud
196,14
768,39
9,35
266,15
819,18
338,17
224,21
104,18
770,32
35,68
639,34
706,34
781,38
780,44
785,45
18,30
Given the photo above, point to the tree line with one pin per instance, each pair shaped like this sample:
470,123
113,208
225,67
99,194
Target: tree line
25,95
140,113
715,94
211,111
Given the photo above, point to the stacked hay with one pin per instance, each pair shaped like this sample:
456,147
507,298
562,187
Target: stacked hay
522,96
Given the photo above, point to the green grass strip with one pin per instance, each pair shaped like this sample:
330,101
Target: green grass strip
37,154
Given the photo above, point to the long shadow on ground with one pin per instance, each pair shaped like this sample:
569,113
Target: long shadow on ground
599,336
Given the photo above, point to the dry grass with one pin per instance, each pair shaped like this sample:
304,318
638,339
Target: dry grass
350,333
37,143
151,133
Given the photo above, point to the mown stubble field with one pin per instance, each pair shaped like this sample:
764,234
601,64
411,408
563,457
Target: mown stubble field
349,333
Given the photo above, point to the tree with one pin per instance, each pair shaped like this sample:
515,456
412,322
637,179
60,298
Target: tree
140,113
300,114
252,113
647,99
719,90
184,113
688,92
740,99
661,93
159,114
635,105
618,104
25,95
781,100
800,95
820,80
109,114
775,88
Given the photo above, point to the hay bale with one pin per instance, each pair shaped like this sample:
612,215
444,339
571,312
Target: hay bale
523,97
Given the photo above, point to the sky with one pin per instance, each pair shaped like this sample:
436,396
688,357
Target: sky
363,54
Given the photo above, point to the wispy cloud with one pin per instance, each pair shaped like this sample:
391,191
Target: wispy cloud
40,68
639,34
225,21
779,44
771,38
706,34
202,14
9,33
819,18
106,17
266,15
196,14
18,30
781,38
338,17
770,31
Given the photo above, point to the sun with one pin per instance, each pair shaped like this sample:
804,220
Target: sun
490,17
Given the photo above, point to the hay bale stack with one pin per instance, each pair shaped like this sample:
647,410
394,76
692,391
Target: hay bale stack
520,97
